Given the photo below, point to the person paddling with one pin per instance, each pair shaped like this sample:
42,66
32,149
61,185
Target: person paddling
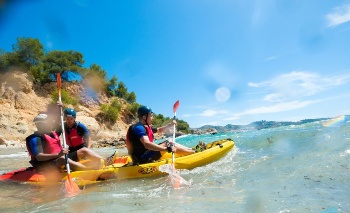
45,149
140,138
79,141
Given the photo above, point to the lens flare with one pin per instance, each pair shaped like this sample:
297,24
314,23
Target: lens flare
222,94
335,122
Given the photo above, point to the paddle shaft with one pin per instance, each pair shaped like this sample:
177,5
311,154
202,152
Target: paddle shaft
62,124
176,105
173,154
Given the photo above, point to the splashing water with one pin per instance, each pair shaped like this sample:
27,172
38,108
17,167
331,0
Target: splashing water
174,176
298,168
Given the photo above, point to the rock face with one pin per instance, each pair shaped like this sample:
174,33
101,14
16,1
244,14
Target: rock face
18,106
21,101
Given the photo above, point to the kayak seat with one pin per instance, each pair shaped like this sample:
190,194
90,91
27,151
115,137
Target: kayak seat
200,147
110,160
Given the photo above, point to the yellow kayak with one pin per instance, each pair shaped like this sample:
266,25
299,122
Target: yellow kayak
122,167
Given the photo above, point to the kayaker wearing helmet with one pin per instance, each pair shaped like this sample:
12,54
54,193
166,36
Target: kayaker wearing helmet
140,139
44,147
78,139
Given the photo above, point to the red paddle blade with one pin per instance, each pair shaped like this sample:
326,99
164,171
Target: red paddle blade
59,80
177,184
174,176
176,105
177,179
72,188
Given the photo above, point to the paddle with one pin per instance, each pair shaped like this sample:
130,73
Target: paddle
176,182
174,175
71,187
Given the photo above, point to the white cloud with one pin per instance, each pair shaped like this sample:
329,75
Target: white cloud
286,92
338,16
251,84
280,107
211,113
298,84
208,113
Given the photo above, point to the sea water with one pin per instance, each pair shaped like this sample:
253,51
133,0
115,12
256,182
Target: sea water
303,168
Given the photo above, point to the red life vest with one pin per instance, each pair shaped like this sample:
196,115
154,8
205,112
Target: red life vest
149,133
53,145
131,138
73,139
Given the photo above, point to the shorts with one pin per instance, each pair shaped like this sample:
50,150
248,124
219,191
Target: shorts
42,166
150,156
73,156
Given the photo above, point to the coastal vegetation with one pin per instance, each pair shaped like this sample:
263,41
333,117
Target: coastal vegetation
29,56
257,125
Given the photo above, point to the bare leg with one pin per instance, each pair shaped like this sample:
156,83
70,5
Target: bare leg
181,150
88,153
76,166
96,162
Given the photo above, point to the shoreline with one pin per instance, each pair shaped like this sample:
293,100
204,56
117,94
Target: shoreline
12,144
96,144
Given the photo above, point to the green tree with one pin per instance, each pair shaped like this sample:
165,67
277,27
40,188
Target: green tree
63,61
183,126
133,108
113,82
95,70
131,97
38,74
158,120
27,55
121,91
4,63
27,52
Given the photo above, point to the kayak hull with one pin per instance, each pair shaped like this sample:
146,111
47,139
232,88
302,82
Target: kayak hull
122,169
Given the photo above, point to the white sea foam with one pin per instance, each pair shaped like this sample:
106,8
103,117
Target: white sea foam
16,155
285,169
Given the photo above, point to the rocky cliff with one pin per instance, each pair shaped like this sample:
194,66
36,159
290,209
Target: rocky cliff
21,101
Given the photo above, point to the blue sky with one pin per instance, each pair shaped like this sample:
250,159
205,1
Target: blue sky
227,61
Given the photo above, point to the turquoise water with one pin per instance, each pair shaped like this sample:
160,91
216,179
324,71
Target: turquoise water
301,168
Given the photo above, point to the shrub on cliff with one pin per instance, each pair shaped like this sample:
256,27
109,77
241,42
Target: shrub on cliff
66,98
110,113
